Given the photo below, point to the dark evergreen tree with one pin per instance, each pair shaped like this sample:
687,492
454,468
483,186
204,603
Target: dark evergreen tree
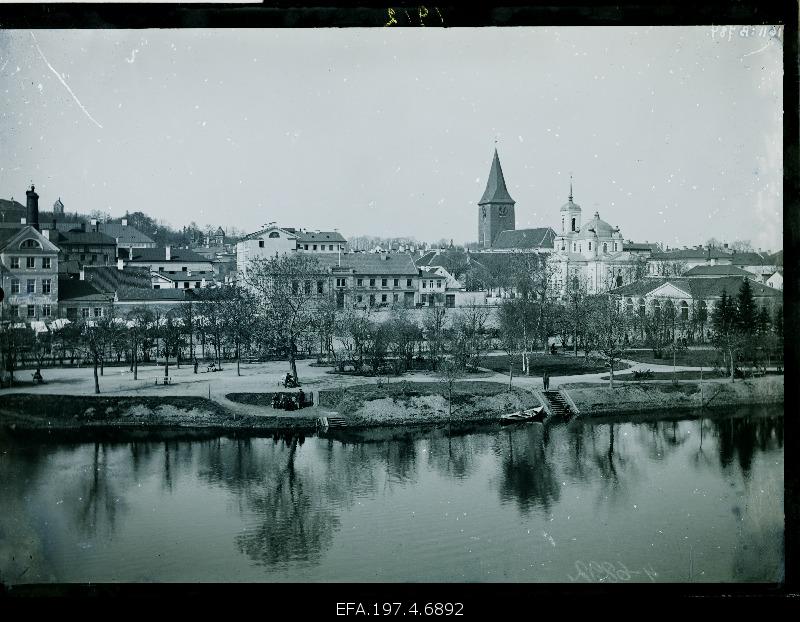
725,324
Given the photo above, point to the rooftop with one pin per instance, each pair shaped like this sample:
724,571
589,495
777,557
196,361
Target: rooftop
541,237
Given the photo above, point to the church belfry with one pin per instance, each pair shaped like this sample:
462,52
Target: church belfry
496,207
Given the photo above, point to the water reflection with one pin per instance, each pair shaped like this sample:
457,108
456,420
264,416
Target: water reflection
287,499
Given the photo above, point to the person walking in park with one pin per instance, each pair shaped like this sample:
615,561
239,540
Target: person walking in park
545,380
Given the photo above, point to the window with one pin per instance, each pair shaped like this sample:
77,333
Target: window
320,286
439,284
450,300
307,287
383,282
629,305
274,234
371,300
98,312
15,286
30,244
359,282
573,224
574,247
15,262
314,247
31,311
590,246
615,247
30,262
383,297
305,247
330,248
430,284
45,310
14,310
605,247
408,282
94,258
339,283
657,309
295,287
684,310
641,307
72,313
372,282
183,269
186,285
261,244
397,282
45,286
197,283
156,286
46,263
31,286
395,297
85,312
359,298
424,284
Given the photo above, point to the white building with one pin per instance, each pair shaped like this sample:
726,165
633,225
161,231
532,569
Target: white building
273,240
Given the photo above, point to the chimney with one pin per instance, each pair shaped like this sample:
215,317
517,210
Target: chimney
33,207
124,222
83,275
167,254
46,233
120,263
94,225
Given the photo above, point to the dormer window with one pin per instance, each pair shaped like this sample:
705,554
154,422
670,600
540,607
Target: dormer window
274,234
30,244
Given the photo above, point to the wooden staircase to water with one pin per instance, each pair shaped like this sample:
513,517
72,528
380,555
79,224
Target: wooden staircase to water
558,405
332,422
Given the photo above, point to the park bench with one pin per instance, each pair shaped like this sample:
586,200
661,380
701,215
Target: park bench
165,380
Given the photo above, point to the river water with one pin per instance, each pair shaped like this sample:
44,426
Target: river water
657,500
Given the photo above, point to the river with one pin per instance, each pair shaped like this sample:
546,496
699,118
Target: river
656,500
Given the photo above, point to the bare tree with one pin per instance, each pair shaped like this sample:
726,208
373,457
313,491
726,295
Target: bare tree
285,285
238,309
433,325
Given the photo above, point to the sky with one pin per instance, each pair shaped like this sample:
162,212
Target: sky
674,134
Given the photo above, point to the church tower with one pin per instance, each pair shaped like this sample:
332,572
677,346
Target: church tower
570,214
496,207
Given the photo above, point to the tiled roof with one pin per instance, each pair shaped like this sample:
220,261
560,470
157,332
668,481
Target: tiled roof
690,253
698,271
12,211
369,263
126,233
7,233
159,255
640,246
541,237
81,237
697,288
750,259
75,290
110,278
307,237
71,266
132,294
496,191
429,274
181,275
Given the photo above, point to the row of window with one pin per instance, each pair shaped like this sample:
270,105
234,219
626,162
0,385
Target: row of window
384,282
83,257
31,286
430,284
684,307
30,311
86,312
30,262
578,248
185,285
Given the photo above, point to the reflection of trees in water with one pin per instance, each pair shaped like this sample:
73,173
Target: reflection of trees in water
740,437
526,473
293,522
455,455
663,438
99,500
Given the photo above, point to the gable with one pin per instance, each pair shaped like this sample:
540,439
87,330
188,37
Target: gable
669,290
12,244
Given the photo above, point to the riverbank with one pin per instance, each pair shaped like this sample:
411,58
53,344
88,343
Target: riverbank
632,397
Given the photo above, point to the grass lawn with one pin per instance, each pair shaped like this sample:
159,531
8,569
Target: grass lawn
691,358
680,375
557,365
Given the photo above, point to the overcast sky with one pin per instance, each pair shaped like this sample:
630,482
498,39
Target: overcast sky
673,134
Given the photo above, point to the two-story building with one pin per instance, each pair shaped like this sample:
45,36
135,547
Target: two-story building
177,268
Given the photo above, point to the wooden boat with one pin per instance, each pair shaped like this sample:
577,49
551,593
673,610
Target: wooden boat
532,414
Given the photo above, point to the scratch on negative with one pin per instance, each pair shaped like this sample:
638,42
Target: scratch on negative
757,51
4,66
66,86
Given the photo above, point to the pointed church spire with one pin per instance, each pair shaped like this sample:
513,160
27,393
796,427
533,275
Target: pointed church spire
570,188
496,191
